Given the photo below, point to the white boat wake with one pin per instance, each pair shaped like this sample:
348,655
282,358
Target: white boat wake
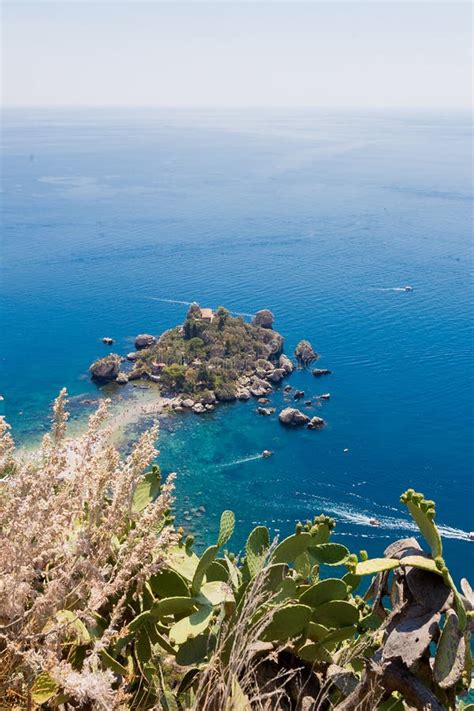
189,303
363,518
243,460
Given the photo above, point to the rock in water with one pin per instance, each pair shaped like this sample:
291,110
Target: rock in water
315,423
292,417
317,372
144,340
285,364
305,352
107,340
265,410
106,369
263,318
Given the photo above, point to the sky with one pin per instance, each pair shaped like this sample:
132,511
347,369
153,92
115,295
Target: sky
129,53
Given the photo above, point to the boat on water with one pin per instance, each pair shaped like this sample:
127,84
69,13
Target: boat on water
267,453
374,522
408,288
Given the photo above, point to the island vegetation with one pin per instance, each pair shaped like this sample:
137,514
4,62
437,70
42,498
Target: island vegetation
210,358
106,604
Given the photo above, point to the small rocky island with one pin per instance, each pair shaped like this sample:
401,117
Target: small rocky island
212,357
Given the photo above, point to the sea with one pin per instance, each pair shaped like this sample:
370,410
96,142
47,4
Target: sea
115,220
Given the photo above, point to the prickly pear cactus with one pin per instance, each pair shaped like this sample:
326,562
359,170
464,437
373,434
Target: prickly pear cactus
226,528
256,549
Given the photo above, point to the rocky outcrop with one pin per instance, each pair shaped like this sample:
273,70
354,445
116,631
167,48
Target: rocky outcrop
273,342
243,394
259,388
208,398
285,364
132,356
137,373
276,375
199,408
317,372
291,417
144,340
122,379
263,318
315,423
106,369
187,403
226,393
299,394
305,353
265,410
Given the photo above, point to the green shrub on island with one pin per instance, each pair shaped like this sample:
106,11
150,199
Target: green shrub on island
105,604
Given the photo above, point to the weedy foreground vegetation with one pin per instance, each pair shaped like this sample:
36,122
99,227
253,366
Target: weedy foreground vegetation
105,604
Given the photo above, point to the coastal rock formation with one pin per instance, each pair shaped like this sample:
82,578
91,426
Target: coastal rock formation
285,364
276,375
187,403
122,378
144,340
106,369
265,410
199,408
226,393
208,398
259,388
299,394
243,394
263,318
132,356
317,372
315,423
292,417
305,352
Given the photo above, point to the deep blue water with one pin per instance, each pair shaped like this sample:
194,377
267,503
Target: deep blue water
318,217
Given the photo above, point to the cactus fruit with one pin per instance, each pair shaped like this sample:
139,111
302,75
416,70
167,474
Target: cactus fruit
226,527
423,512
450,653
352,581
287,622
330,553
324,591
256,549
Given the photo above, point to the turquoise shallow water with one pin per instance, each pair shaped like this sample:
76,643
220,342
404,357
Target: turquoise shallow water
110,220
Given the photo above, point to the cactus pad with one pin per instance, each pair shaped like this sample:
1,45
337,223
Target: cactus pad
256,549
226,528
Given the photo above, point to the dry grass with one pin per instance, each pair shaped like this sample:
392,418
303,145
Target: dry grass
70,541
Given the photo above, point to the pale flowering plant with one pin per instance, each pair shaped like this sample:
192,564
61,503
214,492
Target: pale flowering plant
81,531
